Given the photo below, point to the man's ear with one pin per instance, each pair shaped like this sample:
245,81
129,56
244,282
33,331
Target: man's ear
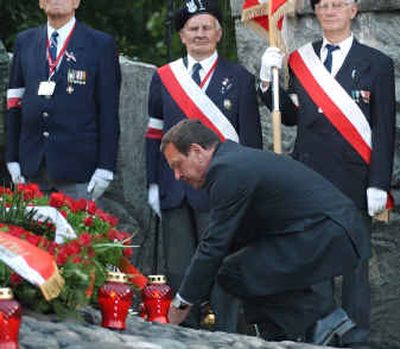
195,147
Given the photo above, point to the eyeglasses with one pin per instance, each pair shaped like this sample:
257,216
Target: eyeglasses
336,6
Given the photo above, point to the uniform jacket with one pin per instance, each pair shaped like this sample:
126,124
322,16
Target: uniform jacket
275,225
321,147
74,133
229,82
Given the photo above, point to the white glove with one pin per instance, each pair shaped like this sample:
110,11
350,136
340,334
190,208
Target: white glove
376,199
154,199
14,169
99,182
272,57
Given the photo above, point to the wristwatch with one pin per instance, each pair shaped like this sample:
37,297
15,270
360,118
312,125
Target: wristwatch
179,304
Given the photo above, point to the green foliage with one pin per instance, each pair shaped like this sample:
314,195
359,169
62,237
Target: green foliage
139,26
16,213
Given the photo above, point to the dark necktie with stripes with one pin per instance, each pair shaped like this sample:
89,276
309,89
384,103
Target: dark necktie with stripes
53,46
196,73
328,60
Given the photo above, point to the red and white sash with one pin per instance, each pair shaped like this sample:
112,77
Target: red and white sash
193,101
337,106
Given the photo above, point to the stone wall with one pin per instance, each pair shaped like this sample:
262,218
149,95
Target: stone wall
377,25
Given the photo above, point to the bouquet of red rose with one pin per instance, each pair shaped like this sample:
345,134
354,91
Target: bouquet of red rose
84,244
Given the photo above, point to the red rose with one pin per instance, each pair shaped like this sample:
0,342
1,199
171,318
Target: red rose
57,200
76,259
72,248
107,217
62,257
81,204
128,252
91,207
30,191
112,234
88,221
85,239
91,253
16,279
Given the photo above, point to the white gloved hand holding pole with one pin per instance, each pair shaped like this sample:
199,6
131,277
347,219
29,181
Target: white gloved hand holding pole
271,58
99,182
14,169
154,198
376,200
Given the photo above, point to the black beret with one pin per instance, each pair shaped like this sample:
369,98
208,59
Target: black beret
192,8
314,2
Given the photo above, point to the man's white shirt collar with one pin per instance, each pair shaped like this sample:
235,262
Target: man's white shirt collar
338,56
206,64
63,32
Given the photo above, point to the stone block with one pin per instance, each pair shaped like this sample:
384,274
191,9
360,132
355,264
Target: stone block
127,197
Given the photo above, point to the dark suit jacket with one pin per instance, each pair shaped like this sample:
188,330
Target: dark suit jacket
322,148
286,226
243,114
75,133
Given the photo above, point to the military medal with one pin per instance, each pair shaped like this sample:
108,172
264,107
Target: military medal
226,85
70,56
227,104
75,77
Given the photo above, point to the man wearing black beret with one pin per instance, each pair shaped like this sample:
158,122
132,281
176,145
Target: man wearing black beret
201,85
342,98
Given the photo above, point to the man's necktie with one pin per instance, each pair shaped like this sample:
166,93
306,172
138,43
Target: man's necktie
328,60
196,73
53,46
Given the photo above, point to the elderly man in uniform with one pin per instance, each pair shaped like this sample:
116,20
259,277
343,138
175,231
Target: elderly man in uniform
222,94
277,230
62,125
342,98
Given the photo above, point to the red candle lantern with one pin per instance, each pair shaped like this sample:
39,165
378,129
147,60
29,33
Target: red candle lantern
115,299
157,297
10,319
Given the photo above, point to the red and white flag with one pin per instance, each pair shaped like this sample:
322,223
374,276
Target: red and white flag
258,15
32,263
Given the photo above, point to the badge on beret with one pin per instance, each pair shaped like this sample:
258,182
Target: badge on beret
191,6
194,7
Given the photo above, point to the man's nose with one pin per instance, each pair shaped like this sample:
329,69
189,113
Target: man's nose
200,32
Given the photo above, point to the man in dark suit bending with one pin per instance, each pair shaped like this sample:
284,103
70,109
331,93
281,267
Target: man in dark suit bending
276,228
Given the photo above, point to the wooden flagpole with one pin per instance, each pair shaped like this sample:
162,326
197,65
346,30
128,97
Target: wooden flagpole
276,113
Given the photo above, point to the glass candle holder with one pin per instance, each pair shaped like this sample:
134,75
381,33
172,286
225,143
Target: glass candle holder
10,319
157,297
115,298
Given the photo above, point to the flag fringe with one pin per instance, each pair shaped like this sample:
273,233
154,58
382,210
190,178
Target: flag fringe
255,11
53,286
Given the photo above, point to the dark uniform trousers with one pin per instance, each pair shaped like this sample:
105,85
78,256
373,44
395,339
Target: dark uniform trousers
176,222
